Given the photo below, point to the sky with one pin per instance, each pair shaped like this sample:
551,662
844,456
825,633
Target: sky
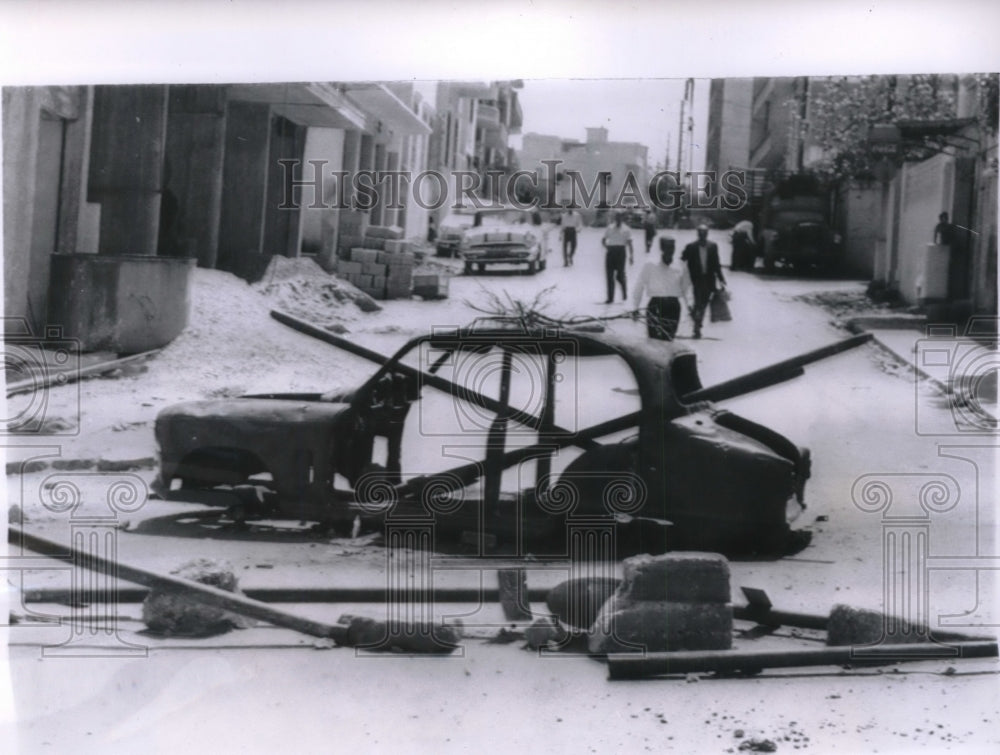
633,110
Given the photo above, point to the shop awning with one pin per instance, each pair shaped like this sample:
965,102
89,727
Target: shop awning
306,103
382,104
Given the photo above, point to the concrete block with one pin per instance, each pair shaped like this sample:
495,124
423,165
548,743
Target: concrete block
397,290
678,576
397,245
364,255
374,242
364,282
386,231
345,267
431,286
395,279
373,268
657,626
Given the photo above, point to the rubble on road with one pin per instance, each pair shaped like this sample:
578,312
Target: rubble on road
176,613
848,625
577,602
408,637
301,287
231,346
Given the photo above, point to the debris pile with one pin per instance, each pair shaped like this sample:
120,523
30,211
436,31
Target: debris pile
301,287
845,304
366,633
861,626
675,601
577,602
171,612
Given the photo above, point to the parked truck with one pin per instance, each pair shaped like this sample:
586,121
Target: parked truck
796,223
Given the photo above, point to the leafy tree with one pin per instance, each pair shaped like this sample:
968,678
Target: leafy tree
842,110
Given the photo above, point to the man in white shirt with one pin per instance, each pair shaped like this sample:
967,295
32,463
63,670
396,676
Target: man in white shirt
667,287
617,238
571,224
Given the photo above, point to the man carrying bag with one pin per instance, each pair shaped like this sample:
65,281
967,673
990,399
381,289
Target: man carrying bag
702,258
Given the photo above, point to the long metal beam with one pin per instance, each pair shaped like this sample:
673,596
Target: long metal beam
641,666
205,594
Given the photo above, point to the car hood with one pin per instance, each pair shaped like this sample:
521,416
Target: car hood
510,234
251,412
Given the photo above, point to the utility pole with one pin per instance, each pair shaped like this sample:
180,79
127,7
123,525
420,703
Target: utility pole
680,137
689,96
690,144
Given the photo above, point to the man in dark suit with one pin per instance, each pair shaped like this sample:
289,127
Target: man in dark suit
702,258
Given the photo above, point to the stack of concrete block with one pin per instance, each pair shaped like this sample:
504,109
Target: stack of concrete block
380,261
676,601
398,272
376,235
430,286
352,226
380,274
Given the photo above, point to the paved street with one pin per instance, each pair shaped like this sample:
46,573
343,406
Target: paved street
856,411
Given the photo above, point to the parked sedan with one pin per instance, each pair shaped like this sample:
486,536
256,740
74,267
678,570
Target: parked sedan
505,236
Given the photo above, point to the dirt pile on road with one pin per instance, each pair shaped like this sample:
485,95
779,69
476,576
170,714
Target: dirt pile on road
302,288
232,345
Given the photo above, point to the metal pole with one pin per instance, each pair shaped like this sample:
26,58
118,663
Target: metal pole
640,666
759,378
210,596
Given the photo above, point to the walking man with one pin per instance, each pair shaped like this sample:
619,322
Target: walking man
702,258
617,238
571,223
649,226
667,288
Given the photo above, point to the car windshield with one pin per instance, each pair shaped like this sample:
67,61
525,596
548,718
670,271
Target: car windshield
501,217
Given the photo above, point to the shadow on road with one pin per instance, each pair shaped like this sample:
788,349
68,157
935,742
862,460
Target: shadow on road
218,525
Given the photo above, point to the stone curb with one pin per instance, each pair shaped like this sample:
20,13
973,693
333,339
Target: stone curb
100,465
862,325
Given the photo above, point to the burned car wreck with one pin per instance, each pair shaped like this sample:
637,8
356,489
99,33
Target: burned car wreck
527,447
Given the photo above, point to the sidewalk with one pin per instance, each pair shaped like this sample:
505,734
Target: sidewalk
930,351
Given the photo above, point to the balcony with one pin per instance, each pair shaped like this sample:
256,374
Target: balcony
487,116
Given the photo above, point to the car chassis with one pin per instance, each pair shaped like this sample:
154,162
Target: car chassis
692,476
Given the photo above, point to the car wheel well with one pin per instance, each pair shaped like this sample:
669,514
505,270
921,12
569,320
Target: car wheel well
219,465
